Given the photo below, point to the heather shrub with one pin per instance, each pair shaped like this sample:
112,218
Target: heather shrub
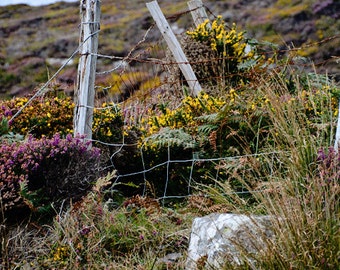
40,172
328,166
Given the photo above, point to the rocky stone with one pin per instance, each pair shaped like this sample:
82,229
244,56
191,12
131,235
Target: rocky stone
219,238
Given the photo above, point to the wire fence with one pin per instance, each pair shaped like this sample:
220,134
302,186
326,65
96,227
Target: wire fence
147,72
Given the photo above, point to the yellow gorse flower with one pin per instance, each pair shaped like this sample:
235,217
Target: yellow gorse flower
217,34
227,42
185,116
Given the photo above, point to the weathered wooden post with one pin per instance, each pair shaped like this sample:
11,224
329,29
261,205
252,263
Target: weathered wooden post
175,47
198,12
337,134
84,96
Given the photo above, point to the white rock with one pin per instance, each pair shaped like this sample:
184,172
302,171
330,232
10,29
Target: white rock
213,239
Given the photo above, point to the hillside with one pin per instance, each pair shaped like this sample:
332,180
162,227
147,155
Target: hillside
35,40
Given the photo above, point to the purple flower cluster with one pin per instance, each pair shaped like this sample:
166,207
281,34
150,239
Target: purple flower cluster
52,166
329,165
6,111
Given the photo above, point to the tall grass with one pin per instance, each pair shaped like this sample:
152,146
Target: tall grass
298,186
99,234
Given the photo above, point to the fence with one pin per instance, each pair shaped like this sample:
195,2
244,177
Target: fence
150,70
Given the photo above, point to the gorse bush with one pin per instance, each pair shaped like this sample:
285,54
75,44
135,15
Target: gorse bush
39,172
228,42
185,116
48,115
227,52
107,123
175,132
44,116
239,121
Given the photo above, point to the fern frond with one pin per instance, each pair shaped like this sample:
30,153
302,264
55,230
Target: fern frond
206,129
209,118
168,137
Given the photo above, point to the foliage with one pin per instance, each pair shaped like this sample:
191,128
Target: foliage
171,137
92,235
107,123
239,121
266,132
39,172
291,180
175,133
230,46
48,115
185,116
3,126
44,116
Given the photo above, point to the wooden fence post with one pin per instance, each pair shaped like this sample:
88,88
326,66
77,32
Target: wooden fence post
174,46
198,12
84,96
337,134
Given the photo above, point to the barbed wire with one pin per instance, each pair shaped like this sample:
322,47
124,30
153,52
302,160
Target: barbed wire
41,89
128,57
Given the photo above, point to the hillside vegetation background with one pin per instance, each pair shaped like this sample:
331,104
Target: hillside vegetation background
31,36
